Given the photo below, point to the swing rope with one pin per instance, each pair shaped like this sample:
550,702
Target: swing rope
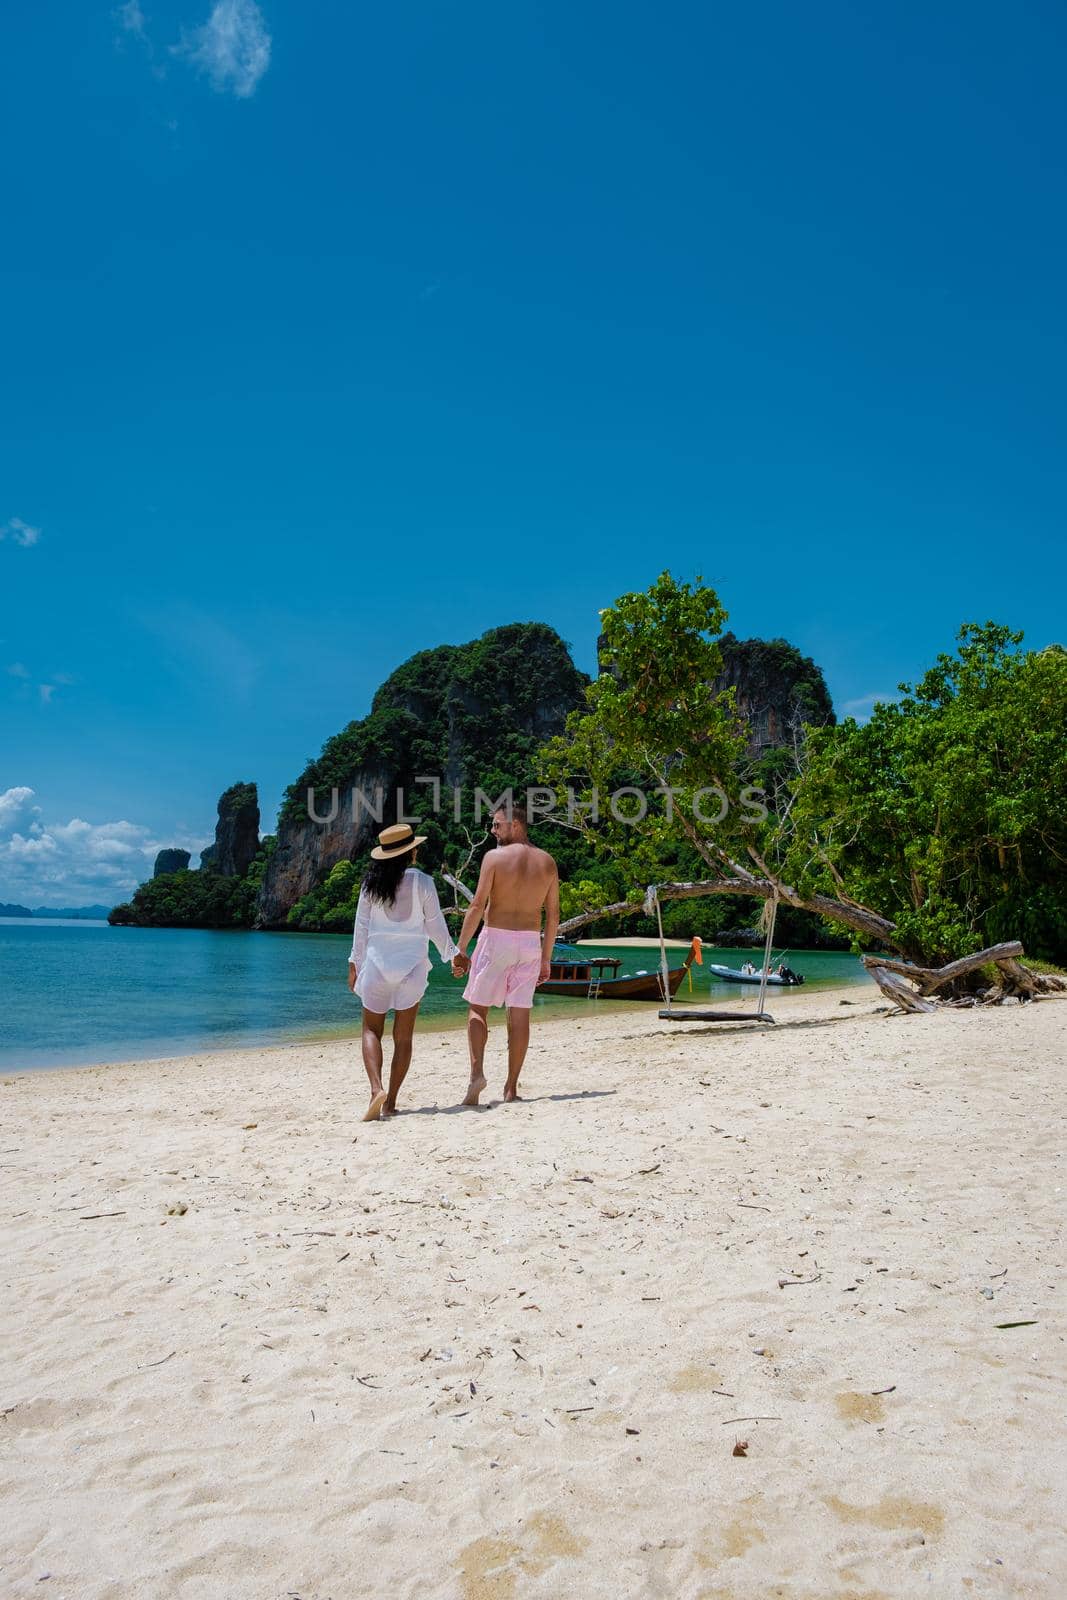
768,945
652,901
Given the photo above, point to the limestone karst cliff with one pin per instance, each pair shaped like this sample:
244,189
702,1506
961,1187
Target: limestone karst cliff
470,715
170,861
236,832
777,690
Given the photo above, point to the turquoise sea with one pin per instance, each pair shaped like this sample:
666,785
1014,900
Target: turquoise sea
78,992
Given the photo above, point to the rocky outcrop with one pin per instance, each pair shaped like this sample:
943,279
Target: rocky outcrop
236,833
470,715
170,861
777,690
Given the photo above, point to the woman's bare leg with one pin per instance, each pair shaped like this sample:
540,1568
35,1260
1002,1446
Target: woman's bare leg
403,1038
373,1028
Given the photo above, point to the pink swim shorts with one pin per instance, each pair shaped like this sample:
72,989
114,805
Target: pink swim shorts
505,968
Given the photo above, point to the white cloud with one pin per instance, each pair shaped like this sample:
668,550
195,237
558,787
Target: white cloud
76,862
16,811
862,707
232,47
131,18
23,688
20,532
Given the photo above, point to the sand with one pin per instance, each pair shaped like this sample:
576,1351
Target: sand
254,1349
635,943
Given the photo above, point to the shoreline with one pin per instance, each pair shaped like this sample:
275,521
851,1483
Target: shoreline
578,1013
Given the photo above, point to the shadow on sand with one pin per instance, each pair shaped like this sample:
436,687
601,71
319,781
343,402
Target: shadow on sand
751,1026
523,1100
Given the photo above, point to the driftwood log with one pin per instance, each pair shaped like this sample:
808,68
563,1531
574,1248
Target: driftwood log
915,988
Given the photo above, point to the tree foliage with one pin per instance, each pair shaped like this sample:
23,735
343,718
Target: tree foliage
936,828
654,721
948,809
197,899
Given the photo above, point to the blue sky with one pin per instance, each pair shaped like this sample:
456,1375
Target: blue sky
334,332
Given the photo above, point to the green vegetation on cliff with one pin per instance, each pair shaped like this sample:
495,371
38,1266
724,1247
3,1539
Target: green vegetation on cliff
222,893
199,899
472,715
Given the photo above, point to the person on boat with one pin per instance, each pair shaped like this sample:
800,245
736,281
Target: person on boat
517,886
748,969
398,912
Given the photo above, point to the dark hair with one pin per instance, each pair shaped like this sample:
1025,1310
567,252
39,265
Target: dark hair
513,813
382,878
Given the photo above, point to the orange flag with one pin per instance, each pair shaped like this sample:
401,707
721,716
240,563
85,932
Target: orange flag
695,947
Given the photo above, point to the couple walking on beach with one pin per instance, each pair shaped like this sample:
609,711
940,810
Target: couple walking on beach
399,913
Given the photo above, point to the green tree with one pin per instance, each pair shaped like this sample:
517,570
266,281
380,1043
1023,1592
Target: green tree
935,828
949,807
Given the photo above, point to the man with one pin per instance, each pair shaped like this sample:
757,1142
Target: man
513,955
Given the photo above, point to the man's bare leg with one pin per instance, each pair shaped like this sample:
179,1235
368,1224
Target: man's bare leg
403,1038
518,1044
373,1027
477,1037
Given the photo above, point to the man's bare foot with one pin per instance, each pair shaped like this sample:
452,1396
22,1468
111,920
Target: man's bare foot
374,1110
389,1111
511,1094
474,1089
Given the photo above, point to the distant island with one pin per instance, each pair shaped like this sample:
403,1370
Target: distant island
72,913
476,713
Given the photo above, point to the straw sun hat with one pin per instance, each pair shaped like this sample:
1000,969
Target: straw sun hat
396,841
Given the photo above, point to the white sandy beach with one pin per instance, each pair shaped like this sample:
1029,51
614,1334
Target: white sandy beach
633,942
256,1350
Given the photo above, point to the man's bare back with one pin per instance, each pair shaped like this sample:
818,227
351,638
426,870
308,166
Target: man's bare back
519,879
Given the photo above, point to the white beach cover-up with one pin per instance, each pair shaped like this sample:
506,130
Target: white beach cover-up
389,943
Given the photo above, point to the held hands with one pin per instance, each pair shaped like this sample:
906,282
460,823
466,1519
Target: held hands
461,965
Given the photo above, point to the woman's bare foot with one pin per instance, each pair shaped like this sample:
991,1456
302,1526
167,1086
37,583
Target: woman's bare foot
474,1089
511,1094
374,1110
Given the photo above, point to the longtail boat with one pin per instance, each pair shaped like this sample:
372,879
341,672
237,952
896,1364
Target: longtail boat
582,976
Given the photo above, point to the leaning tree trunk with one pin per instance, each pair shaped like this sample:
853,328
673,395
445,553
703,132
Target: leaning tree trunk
858,918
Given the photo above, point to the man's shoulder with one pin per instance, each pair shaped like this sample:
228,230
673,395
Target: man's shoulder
544,860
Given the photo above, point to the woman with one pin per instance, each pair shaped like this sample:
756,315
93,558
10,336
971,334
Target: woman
398,912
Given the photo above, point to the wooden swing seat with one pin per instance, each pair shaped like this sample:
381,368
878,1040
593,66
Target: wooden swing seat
715,1016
